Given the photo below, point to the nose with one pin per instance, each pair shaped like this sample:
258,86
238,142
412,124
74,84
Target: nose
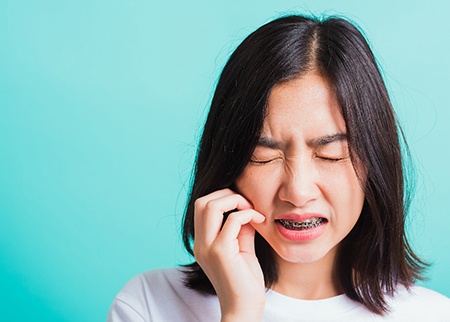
299,184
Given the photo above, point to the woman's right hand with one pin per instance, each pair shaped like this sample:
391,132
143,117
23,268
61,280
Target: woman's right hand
227,254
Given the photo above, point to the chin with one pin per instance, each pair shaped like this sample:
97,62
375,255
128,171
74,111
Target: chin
301,254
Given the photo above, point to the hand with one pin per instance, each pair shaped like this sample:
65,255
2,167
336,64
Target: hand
227,254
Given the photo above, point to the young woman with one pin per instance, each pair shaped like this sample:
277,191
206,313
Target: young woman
298,203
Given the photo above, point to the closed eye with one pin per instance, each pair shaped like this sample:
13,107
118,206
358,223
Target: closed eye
332,159
263,161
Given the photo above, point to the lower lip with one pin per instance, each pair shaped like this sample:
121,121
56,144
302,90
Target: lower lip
301,235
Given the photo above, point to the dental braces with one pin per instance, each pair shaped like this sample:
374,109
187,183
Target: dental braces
296,225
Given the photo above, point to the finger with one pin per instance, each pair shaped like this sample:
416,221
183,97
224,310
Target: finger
211,219
199,209
233,225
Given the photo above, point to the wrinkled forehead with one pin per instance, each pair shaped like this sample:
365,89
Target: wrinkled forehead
307,104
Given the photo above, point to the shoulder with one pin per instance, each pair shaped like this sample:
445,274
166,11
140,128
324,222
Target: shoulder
159,295
420,294
419,301
152,281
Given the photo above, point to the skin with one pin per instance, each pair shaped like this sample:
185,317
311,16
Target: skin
301,167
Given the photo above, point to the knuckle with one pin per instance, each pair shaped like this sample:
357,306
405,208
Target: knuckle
216,250
235,217
199,203
211,206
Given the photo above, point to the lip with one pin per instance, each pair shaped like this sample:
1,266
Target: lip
301,235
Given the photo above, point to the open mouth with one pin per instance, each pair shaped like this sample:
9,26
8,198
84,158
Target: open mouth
301,225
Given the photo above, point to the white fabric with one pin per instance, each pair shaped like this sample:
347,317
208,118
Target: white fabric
160,296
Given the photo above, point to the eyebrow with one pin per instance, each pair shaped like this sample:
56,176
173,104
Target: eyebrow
315,143
327,139
270,143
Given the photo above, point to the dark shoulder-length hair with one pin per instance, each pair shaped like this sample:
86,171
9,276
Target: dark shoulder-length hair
375,256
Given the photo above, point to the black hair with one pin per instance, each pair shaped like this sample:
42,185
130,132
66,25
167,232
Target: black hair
375,256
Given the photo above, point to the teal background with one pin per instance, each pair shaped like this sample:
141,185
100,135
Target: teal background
101,104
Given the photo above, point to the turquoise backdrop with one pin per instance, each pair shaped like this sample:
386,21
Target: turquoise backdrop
101,103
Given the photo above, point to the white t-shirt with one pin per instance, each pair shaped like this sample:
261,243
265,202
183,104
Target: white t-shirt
160,296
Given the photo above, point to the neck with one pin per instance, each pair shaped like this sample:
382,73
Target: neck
308,281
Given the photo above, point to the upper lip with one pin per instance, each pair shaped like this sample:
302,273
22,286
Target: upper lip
300,217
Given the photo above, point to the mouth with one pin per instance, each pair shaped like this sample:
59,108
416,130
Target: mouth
302,225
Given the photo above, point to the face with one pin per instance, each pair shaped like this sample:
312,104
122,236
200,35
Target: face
300,176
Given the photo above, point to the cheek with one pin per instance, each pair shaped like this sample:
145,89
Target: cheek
344,191
351,198
246,185
257,186
340,176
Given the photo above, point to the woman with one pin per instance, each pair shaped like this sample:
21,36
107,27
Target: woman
298,203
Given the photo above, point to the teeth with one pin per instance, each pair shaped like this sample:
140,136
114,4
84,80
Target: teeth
301,225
